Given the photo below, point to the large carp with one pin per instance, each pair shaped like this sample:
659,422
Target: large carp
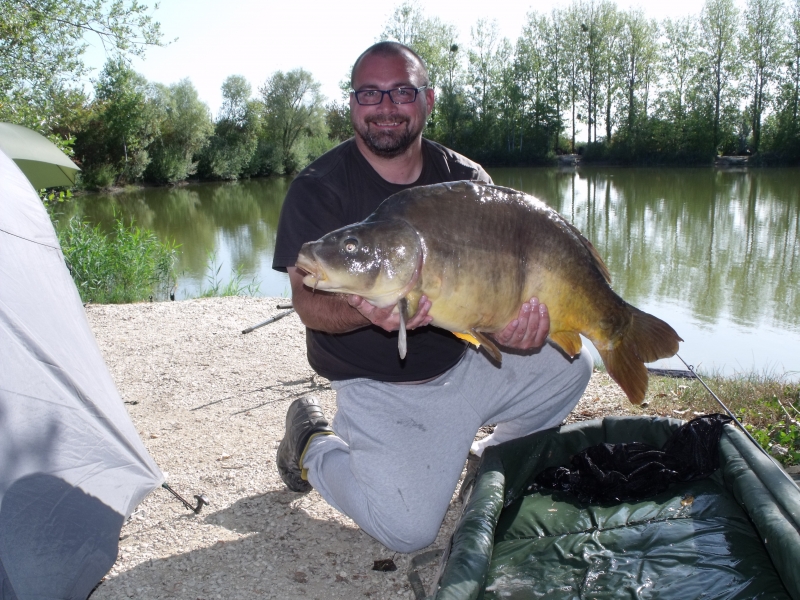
479,252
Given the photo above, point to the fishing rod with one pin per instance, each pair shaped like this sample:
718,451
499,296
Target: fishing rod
725,408
268,321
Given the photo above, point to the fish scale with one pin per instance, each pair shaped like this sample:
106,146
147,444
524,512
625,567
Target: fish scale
478,252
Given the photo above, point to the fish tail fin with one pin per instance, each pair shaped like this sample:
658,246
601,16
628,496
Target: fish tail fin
646,339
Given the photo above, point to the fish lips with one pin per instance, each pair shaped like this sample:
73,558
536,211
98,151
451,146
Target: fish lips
378,260
308,264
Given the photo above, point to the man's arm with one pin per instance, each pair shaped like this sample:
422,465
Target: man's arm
338,313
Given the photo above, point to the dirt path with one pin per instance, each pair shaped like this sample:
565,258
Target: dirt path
209,403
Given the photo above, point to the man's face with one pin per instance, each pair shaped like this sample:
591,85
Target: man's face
388,129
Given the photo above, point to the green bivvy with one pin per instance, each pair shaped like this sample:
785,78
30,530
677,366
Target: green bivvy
734,535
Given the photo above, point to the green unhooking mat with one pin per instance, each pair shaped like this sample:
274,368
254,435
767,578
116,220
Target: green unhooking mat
733,535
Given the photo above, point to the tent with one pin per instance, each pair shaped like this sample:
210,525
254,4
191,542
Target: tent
72,466
40,159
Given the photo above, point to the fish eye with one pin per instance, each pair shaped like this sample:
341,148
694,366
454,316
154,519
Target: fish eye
351,245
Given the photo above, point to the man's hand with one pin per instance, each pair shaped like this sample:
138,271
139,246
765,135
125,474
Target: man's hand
388,318
529,330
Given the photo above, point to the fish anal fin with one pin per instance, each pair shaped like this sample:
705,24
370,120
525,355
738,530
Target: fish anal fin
569,341
646,339
488,345
627,370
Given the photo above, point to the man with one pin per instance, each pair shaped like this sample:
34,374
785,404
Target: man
403,428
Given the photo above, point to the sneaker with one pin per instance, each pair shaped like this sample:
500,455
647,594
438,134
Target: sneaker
304,421
473,461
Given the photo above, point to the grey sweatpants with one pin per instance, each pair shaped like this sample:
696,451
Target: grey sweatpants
399,450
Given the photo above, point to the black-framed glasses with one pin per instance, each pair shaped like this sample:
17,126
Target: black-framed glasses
403,95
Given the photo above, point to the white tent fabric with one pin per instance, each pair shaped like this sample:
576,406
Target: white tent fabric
72,466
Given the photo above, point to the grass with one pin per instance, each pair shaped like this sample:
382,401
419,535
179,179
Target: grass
766,404
127,265
235,287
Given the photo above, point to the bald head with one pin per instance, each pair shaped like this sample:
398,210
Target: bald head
390,50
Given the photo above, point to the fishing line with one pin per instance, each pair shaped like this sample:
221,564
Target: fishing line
727,410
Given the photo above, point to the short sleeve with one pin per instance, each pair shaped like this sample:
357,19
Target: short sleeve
310,210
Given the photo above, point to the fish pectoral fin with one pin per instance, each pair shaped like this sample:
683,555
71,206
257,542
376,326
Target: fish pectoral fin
478,339
402,341
569,341
487,343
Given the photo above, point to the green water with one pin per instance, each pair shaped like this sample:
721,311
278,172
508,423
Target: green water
716,253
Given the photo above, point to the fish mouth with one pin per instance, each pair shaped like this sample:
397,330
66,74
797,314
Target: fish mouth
311,270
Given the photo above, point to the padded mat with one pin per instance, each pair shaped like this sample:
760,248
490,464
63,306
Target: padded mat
692,541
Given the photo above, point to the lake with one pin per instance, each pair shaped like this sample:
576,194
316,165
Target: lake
714,252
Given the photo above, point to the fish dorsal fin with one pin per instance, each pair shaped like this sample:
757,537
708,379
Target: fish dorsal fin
402,341
588,245
569,341
478,339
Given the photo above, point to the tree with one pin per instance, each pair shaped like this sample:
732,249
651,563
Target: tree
556,63
337,120
762,49
230,150
128,118
538,64
679,63
185,128
593,39
718,25
42,46
783,125
613,25
483,73
573,60
236,92
637,54
437,44
449,107
292,112
113,144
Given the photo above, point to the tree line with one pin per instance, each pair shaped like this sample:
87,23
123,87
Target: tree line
135,130
615,85
589,78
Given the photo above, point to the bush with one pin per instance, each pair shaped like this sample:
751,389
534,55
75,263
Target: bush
128,265
98,177
169,165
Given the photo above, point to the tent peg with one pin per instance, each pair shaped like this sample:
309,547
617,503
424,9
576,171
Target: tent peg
201,500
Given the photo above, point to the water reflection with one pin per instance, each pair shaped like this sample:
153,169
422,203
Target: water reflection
235,222
715,253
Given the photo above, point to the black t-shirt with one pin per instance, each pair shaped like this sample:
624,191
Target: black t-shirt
341,188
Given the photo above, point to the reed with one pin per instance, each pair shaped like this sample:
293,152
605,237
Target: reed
236,285
128,264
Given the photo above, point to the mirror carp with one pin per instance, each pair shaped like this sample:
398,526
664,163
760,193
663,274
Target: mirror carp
478,252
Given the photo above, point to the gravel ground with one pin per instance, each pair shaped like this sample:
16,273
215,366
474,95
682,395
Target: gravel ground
209,403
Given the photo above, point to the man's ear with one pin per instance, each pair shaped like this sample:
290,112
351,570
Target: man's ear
429,97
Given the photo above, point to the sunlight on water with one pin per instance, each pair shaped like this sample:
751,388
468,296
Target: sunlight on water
715,253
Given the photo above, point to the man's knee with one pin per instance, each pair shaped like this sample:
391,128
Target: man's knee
407,537
584,366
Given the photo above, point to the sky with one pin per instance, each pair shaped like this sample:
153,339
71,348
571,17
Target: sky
254,38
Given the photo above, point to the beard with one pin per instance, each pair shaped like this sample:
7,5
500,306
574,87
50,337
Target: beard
387,144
